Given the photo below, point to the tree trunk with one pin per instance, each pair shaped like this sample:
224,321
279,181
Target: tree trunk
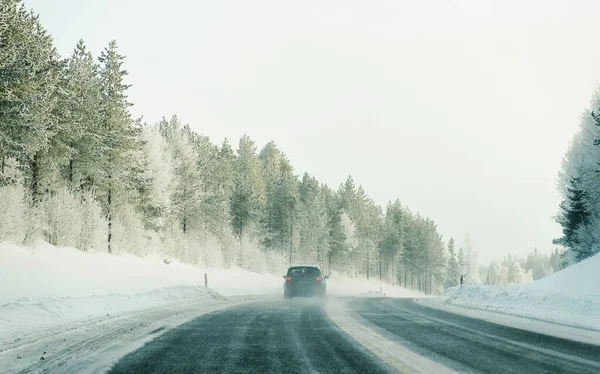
291,237
35,171
71,171
184,210
109,220
239,259
368,265
380,264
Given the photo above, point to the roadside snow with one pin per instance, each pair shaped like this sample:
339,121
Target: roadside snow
48,271
47,287
69,305
570,297
92,345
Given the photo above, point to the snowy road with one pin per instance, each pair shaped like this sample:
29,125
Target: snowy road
262,337
304,336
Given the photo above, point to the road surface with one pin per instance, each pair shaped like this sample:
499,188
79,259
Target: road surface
304,336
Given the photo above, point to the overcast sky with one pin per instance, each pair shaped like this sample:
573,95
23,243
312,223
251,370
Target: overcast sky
462,109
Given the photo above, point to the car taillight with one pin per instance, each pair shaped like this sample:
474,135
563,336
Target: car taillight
288,278
319,278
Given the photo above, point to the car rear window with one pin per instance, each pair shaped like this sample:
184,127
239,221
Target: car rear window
304,270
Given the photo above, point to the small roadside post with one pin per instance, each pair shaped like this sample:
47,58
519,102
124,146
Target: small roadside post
461,281
206,280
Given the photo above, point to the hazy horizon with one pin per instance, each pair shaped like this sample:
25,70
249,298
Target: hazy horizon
462,110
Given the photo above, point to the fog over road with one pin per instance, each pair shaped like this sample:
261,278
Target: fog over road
369,335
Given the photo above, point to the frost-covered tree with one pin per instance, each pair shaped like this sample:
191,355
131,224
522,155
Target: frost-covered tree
453,269
30,70
471,262
392,243
248,199
312,222
337,234
462,261
579,183
82,109
77,170
118,135
281,187
188,190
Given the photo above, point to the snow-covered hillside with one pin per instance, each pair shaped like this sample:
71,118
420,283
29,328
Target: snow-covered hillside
570,296
48,271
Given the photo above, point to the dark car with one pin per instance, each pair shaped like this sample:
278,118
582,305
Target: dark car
304,281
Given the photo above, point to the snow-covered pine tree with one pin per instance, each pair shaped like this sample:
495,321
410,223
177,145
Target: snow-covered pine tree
391,247
117,131
453,269
312,222
337,236
462,261
83,108
248,199
281,189
579,183
31,71
471,261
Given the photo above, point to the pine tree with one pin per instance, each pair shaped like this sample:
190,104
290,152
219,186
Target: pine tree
30,72
462,262
574,214
224,184
187,196
453,268
471,262
248,199
117,129
391,247
312,222
84,107
270,158
337,236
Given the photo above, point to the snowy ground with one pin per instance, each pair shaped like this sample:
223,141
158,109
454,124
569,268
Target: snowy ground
569,298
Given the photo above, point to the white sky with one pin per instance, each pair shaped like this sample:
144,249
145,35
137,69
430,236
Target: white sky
462,109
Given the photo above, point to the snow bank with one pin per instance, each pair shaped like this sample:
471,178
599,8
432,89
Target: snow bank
581,279
48,271
47,286
36,316
570,296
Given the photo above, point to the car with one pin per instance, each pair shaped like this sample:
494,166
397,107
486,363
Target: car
304,281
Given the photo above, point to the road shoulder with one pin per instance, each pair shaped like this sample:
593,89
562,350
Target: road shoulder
580,334
92,346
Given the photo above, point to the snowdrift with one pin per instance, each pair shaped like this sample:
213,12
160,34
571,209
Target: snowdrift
570,296
48,271
47,287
